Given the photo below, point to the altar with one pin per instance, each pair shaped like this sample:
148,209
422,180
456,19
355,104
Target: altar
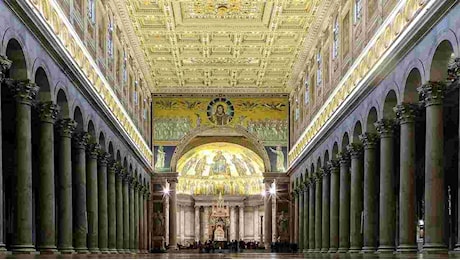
220,220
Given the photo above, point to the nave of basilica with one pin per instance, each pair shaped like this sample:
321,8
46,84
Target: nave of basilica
258,129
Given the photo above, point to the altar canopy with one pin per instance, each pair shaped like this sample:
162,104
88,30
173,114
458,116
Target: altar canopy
220,168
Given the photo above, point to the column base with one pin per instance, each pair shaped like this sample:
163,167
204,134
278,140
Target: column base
48,251
317,250
3,248
82,250
332,250
406,249
456,248
104,250
305,251
113,251
67,250
94,250
385,249
354,250
172,248
434,248
324,250
23,249
342,250
368,250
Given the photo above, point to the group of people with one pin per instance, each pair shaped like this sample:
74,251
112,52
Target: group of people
210,246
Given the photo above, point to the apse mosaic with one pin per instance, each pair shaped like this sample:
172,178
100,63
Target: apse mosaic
220,168
266,118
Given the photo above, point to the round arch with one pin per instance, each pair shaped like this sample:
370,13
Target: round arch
255,144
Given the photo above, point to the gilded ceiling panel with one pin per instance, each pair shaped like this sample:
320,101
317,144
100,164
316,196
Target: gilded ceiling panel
225,45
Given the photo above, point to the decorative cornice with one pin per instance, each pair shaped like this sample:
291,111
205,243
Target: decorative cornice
81,61
377,51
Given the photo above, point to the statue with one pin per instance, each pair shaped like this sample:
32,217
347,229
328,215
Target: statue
219,165
279,158
220,117
158,223
282,223
160,163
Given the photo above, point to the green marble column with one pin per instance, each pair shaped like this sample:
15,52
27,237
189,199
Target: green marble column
111,207
334,212
64,177
370,211
80,227
311,214
103,231
126,181
344,206
326,206
5,65
24,93
407,202
46,229
318,209
92,197
296,218
299,200
387,198
141,220
132,215
136,216
356,198
119,206
435,195
306,229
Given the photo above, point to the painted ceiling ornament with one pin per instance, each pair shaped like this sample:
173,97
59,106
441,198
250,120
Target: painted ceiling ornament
220,111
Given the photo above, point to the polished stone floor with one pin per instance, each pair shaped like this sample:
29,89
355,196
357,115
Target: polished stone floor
250,255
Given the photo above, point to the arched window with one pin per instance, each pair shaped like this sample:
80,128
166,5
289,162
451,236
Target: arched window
335,43
307,91
92,11
358,10
135,99
110,38
297,110
125,67
319,70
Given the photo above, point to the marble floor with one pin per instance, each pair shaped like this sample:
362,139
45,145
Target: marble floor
245,255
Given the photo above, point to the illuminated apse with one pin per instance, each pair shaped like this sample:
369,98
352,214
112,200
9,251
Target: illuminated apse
220,168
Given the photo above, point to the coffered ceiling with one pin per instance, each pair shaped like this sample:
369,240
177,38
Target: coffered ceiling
223,46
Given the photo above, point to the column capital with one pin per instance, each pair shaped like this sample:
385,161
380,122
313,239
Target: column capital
318,176
385,127
48,111
66,127
102,156
344,158
355,150
432,93
112,166
24,91
369,140
93,150
80,139
406,113
453,70
333,166
5,64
